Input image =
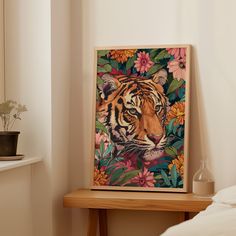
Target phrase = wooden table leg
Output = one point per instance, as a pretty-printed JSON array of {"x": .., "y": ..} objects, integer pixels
[
  {"x": 183, "y": 216},
  {"x": 103, "y": 222},
  {"x": 93, "y": 222}
]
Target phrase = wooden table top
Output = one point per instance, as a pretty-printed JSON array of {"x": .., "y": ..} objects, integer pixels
[{"x": 153, "y": 201}]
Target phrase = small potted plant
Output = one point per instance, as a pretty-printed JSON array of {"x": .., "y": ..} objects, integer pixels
[{"x": 10, "y": 111}]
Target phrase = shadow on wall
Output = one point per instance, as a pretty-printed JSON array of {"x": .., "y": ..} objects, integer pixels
[{"x": 199, "y": 138}]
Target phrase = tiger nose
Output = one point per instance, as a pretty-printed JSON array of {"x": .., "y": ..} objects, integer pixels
[{"x": 154, "y": 138}]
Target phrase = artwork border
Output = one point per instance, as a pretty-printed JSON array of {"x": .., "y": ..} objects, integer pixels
[{"x": 186, "y": 127}]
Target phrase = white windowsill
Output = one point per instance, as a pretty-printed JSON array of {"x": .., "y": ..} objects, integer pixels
[{"x": 8, "y": 165}]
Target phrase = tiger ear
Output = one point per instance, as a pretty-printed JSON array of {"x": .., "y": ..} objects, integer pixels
[
  {"x": 109, "y": 85},
  {"x": 160, "y": 77}
]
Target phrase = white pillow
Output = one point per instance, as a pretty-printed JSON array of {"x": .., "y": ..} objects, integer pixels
[{"x": 226, "y": 196}]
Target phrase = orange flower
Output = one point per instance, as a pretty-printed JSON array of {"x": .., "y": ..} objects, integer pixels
[
  {"x": 179, "y": 163},
  {"x": 100, "y": 178},
  {"x": 122, "y": 55},
  {"x": 176, "y": 112}
]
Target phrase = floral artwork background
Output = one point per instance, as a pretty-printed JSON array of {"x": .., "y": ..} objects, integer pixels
[{"x": 167, "y": 171}]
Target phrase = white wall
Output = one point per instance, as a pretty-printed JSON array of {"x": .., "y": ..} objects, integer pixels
[
  {"x": 28, "y": 80},
  {"x": 210, "y": 27},
  {"x": 38, "y": 75},
  {"x": 1, "y": 52}
]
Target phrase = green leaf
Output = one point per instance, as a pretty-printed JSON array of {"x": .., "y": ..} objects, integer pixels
[
  {"x": 114, "y": 64},
  {"x": 101, "y": 70},
  {"x": 180, "y": 182},
  {"x": 174, "y": 85},
  {"x": 102, "y": 61},
  {"x": 97, "y": 153},
  {"x": 116, "y": 175},
  {"x": 101, "y": 127},
  {"x": 171, "y": 151},
  {"x": 154, "y": 69},
  {"x": 130, "y": 62},
  {"x": 162, "y": 55},
  {"x": 99, "y": 81},
  {"x": 174, "y": 175},
  {"x": 158, "y": 167},
  {"x": 102, "y": 146},
  {"x": 102, "y": 53},
  {"x": 153, "y": 53},
  {"x": 108, "y": 68},
  {"x": 108, "y": 150},
  {"x": 169, "y": 127},
  {"x": 165, "y": 178},
  {"x": 178, "y": 144},
  {"x": 129, "y": 175}
]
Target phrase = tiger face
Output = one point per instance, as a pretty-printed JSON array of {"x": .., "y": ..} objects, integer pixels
[{"x": 134, "y": 110}]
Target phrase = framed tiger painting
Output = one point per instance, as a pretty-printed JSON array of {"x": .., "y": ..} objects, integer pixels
[{"x": 141, "y": 122}]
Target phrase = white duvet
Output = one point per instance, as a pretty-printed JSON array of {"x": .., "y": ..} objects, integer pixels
[{"x": 219, "y": 219}]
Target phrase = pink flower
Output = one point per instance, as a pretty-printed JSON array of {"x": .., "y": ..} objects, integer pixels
[
  {"x": 143, "y": 62},
  {"x": 144, "y": 179},
  {"x": 177, "y": 67},
  {"x": 177, "y": 52},
  {"x": 99, "y": 137}
]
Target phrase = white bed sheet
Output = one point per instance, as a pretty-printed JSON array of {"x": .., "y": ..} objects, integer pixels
[{"x": 217, "y": 220}]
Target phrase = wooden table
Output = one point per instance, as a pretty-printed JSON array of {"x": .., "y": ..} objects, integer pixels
[{"x": 99, "y": 201}]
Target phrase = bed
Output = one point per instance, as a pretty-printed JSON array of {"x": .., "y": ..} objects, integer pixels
[{"x": 218, "y": 219}]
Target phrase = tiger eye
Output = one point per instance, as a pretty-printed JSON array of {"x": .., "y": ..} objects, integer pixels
[{"x": 133, "y": 111}]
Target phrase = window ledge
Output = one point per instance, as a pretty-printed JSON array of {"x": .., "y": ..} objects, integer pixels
[{"x": 8, "y": 165}]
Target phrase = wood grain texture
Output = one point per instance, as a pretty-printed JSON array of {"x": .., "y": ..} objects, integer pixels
[
  {"x": 152, "y": 201},
  {"x": 93, "y": 222}
]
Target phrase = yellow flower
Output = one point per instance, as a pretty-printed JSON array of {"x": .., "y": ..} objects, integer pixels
[
  {"x": 100, "y": 178},
  {"x": 179, "y": 163},
  {"x": 177, "y": 111},
  {"x": 122, "y": 55}
]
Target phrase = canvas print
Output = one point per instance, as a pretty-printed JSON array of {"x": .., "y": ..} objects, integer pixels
[{"x": 141, "y": 118}]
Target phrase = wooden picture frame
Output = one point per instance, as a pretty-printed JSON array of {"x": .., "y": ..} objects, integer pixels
[{"x": 141, "y": 118}]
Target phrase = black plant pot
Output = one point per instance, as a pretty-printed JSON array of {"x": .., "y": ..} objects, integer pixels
[{"x": 8, "y": 143}]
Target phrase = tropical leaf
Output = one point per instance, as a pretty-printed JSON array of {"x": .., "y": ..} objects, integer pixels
[
  {"x": 162, "y": 55},
  {"x": 165, "y": 178},
  {"x": 130, "y": 62},
  {"x": 102, "y": 53},
  {"x": 128, "y": 175},
  {"x": 114, "y": 64},
  {"x": 107, "y": 67},
  {"x": 180, "y": 131},
  {"x": 99, "y": 81},
  {"x": 97, "y": 153},
  {"x": 154, "y": 69},
  {"x": 116, "y": 175},
  {"x": 178, "y": 144},
  {"x": 169, "y": 127},
  {"x": 139, "y": 163},
  {"x": 158, "y": 177},
  {"x": 108, "y": 150},
  {"x": 180, "y": 183},
  {"x": 102, "y": 146},
  {"x": 175, "y": 127},
  {"x": 174, "y": 85},
  {"x": 153, "y": 53},
  {"x": 102, "y": 61},
  {"x": 171, "y": 151},
  {"x": 101, "y": 69},
  {"x": 101, "y": 127},
  {"x": 181, "y": 92},
  {"x": 174, "y": 176},
  {"x": 158, "y": 167}
]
